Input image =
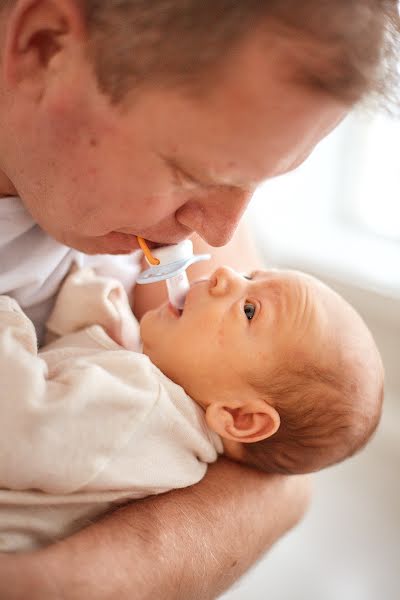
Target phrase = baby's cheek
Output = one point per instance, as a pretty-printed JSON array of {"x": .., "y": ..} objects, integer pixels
[
  {"x": 144, "y": 327},
  {"x": 153, "y": 329},
  {"x": 131, "y": 297}
]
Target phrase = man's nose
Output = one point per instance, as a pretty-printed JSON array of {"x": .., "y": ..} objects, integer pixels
[
  {"x": 221, "y": 281},
  {"x": 216, "y": 217}
]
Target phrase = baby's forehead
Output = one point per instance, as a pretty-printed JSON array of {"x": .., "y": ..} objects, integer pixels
[
  {"x": 272, "y": 274},
  {"x": 280, "y": 280}
]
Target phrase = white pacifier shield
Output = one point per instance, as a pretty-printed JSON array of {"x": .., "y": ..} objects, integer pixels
[{"x": 173, "y": 261}]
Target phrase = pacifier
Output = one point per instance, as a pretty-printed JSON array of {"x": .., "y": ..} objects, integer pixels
[{"x": 169, "y": 264}]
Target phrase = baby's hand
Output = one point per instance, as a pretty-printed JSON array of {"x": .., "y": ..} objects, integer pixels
[{"x": 86, "y": 299}]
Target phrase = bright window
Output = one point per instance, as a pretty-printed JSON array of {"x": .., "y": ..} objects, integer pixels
[
  {"x": 372, "y": 194},
  {"x": 339, "y": 213}
]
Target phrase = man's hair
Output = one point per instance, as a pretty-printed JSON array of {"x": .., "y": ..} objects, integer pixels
[
  {"x": 134, "y": 42},
  {"x": 179, "y": 42},
  {"x": 325, "y": 415}
]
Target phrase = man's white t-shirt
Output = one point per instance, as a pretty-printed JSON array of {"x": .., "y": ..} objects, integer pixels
[{"x": 33, "y": 264}]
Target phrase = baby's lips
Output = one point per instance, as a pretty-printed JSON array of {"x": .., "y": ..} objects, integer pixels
[{"x": 176, "y": 311}]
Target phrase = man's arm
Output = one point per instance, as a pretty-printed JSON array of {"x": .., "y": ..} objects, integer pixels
[
  {"x": 239, "y": 254},
  {"x": 189, "y": 544}
]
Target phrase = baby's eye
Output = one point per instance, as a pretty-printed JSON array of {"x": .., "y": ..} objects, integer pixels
[{"x": 249, "y": 310}]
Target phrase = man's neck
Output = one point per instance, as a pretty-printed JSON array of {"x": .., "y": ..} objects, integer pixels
[{"x": 6, "y": 186}]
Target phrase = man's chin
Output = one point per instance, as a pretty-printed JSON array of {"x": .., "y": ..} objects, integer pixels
[
  {"x": 111, "y": 243},
  {"x": 114, "y": 242}
]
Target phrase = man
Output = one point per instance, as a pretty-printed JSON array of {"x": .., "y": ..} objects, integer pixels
[{"x": 159, "y": 119}]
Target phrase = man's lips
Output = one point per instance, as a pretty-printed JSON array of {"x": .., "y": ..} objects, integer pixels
[
  {"x": 132, "y": 237},
  {"x": 155, "y": 245},
  {"x": 117, "y": 242}
]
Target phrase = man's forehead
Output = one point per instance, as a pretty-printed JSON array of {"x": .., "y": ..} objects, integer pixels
[{"x": 253, "y": 123}]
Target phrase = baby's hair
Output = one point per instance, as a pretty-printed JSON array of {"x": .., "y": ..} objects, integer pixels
[
  {"x": 179, "y": 42},
  {"x": 324, "y": 419}
]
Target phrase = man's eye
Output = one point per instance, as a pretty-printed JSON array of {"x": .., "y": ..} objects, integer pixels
[
  {"x": 249, "y": 310},
  {"x": 182, "y": 178},
  {"x": 246, "y": 276}
]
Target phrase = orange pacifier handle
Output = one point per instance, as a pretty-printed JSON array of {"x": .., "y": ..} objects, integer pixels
[{"x": 146, "y": 251}]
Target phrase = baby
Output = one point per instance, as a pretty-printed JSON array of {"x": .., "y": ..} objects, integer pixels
[
  {"x": 286, "y": 371},
  {"x": 274, "y": 370}
]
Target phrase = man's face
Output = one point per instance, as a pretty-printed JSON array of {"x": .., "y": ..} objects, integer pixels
[
  {"x": 164, "y": 164},
  {"x": 235, "y": 329}
]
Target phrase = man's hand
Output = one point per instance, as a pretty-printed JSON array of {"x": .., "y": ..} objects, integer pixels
[{"x": 189, "y": 544}]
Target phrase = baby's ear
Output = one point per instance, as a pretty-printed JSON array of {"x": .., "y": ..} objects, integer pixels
[{"x": 249, "y": 421}]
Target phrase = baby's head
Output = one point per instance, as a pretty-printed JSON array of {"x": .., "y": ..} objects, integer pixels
[{"x": 286, "y": 370}]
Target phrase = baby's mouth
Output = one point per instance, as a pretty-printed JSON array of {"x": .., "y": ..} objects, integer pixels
[
  {"x": 177, "y": 312},
  {"x": 180, "y": 310}
]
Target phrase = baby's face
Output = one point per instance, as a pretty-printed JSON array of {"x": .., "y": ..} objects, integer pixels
[{"x": 235, "y": 328}]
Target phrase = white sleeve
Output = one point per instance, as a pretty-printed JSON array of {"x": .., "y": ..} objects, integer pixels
[
  {"x": 60, "y": 428},
  {"x": 86, "y": 298}
]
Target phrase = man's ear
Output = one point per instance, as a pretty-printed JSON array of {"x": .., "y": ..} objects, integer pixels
[
  {"x": 249, "y": 421},
  {"x": 38, "y": 35}
]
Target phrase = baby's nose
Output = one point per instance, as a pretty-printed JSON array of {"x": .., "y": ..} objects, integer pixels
[{"x": 221, "y": 281}]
